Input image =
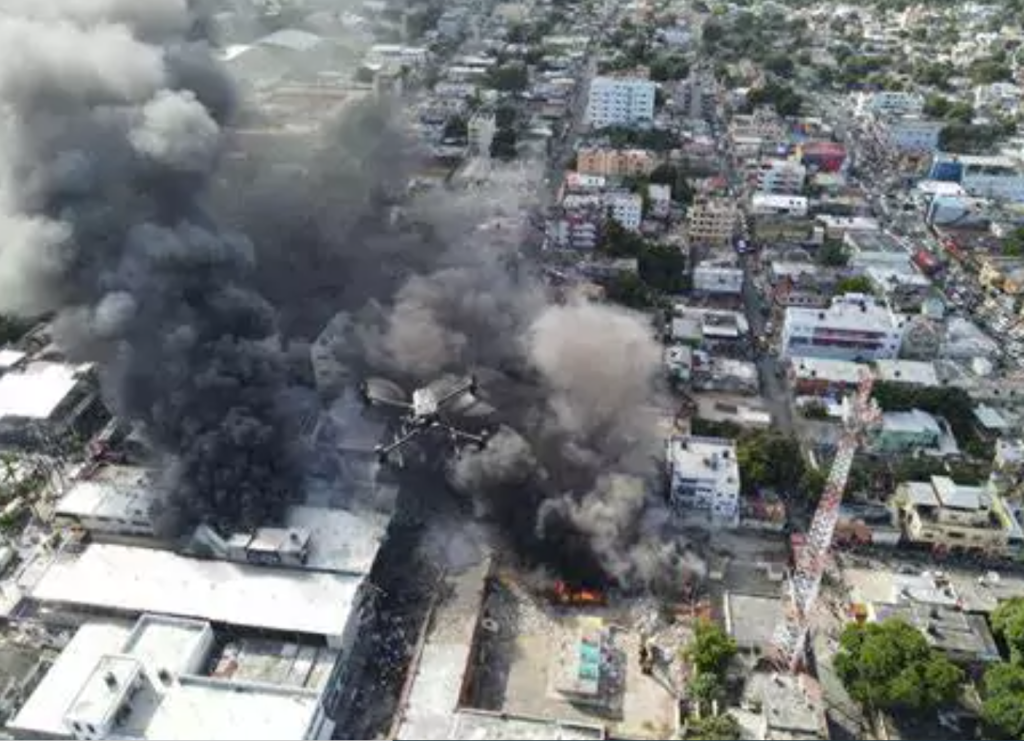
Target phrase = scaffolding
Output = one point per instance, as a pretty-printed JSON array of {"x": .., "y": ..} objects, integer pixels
[{"x": 810, "y": 560}]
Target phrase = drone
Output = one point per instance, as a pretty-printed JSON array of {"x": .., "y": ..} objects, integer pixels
[{"x": 430, "y": 410}]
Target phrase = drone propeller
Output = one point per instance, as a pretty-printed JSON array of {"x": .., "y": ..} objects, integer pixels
[{"x": 382, "y": 392}]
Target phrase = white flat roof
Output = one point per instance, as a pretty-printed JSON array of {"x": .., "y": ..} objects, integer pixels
[
  {"x": 827, "y": 369},
  {"x": 204, "y": 709},
  {"x": 188, "y": 707},
  {"x": 778, "y": 200},
  {"x": 339, "y": 540},
  {"x": 9, "y": 357},
  {"x": 44, "y": 710},
  {"x": 36, "y": 391},
  {"x": 918, "y": 372},
  {"x": 139, "y": 580},
  {"x": 121, "y": 492}
]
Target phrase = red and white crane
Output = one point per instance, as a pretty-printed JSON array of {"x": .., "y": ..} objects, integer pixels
[{"x": 790, "y": 636}]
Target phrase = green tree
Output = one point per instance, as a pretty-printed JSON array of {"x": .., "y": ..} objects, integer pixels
[
  {"x": 768, "y": 459},
  {"x": 889, "y": 665},
  {"x": 987, "y": 71},
  {"x": 1013, "y": 244},
  {"x": 711, "y": 649},
  {"x": 832, "y": 254},
  {"x": 936, "y": 106},
  {"x": 509, "y": 77},
  {"x": 1008, "y": 624},
  {"x": 503, "y": 145},
  {"x": 713, "y": 728},
  {"x": 855, "y": 284},
  {"x": 1002, "y": 707},
  {"x": 706, "y": 687},
  {"x": 663, "y": 267},
  {"x": 628, "y": 290}
]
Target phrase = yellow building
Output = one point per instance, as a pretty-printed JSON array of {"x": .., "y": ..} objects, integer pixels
[
  {"x": 615, "y": 162},
  {"x": 712, "y": 221},
  {"x": 1004, "y": 274},
  {"x": 953, "y": 517}
]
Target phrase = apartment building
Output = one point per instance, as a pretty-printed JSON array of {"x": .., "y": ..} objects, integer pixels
[
  {"x": 626, "y": 208},
  {"x": 615, "y": 162},
  {"x": 772, "y": 204},
  {"x": 953, "y": 517},
  {"x": 981, "y": 176},
  {"x": 712, "y": 221},
  {"x": 620, "y": 101},
  {"x": 890, "y": 102},
  {"x": 781, "y": 177},
  {"x": 908, "y": 134},
  {"x": 704, "y": 476},
  {"x": 853, "y": 327},
  {"x": 718, "y": 276}
]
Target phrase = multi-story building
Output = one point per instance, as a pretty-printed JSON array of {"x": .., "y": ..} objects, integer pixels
[
  {"x": 998, "y": 97},
  {"x": 712, "y": 221},
  {"x": 718, "y": 276},
  {"x": 46, "y": 405},
  {"x": 619, "y": 101},
  {"x": 772, "y": 204},
  {"x": 853, "y": 327},
  {"x": 172, "y": 677},
  {"x": 704, "y": 475},
  {"x": 953, "y": 517},
  {"x": 908, "y": 134},
  {"x": 823, "y": 156},
  {"x": 615, "y": 162},
  {"x": 890, "y": 102},
  {"x": 981, "y": 176},
  {"x": 781, "y": 177},
  {"x": 626, "y": 208}
]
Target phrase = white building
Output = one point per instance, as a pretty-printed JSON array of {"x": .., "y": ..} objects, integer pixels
[
  {"x": 781, "y": 176},
  {"x": 854, "y": 327},
  {"x": 660, "y": 198},
  {"x": 705, "y": 476},
  {"x": 911, "y": 134},
  {"x": 620, "y": 101},
  {"x": 770, "y": 204},
  {"x": 44, "y": 402},
  {"x": 982, "y": 176},
  {"x": 718, "y": 276},
  {"x": 626, "y": 208},
  {"x": 170, "y": 678},
  {"x": 1002, "y": 97},
  {"x": 890, "y": 102},
  {"x": 116, "y": 500}
]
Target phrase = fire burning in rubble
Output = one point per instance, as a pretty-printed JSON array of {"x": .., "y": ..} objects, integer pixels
[{"x": 566, "y": 595}]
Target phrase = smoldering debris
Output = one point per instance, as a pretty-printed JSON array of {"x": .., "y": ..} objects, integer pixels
[{"x": 111, "y": 127}]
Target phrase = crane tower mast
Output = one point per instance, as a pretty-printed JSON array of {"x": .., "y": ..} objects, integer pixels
[{"x": 790, "y": 635}]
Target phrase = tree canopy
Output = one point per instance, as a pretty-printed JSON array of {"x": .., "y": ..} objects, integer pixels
[
  {"x": 1008, "y": 624},
  {"x": 1002, "y": 707},
  {"x": 711, "y": 649},
  {"x": 889, "y": 665},
  {"x": 768, "y": 459},
  {"x": 713, "y": 728},
  {"x": 855, "y": 284}
]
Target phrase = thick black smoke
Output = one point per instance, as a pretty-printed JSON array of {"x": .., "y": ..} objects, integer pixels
[{"x": 110, "y": 129}]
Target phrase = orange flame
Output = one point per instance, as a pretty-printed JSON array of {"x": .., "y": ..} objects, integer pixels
[{"x": 568, "y": 596}]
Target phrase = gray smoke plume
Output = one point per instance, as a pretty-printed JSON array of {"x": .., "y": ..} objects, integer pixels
[
  {"x": 110, "y": 117},
  {"x": 575, "y": 473}
]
